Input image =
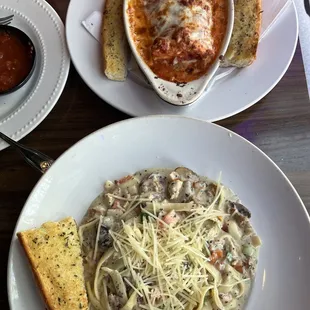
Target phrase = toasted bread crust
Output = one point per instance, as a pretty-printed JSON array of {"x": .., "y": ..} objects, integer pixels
[
  {"x": 54, "y": 253},
  {"x": 114, "y": 43},
  {"x": 245, "y": 37}
]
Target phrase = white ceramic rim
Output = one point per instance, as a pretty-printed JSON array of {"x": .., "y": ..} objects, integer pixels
[
  {"x": 25, "y": 118},
  {"x": 151, "y": 117},
  {"x": 136, "y": 101}
]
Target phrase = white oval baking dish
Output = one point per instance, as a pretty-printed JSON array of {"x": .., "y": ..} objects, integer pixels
[{"x": 176, "y": 93}]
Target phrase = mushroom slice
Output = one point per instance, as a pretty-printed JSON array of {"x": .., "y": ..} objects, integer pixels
[
  {"x": 153, "y": 186},
  {"x": 174, "y": 189},
  {"x": 240, "y": 208},
  {"x": 187, "y": 174}
]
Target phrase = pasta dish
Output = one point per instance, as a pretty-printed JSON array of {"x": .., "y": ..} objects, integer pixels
[
  {"x": 178, "y": 39},
  {"x": 168, "y": 239}
]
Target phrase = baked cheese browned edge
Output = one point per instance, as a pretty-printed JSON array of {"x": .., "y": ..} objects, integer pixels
[
  {"x": 242, "y": 48},
  {"x": 114, "y": 42},
  {"x": 54, "y": 253}
]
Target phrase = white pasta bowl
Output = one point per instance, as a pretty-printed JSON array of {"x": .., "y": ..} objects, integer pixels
[
  {"x": 179, "y": 94},
  {"x": 77, "y": 177}
]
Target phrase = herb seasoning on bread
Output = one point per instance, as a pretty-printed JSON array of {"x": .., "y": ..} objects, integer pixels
[{"x": 54, "y": 253}]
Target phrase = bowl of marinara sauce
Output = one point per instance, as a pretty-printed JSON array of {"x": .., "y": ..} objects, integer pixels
[{"x": 17, "y": 59}]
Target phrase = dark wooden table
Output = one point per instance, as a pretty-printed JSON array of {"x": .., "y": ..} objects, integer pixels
[{"x": 279, "y": 124}]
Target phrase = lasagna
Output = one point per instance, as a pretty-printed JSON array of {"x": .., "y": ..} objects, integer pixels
[{"x": 178, "y": 39}]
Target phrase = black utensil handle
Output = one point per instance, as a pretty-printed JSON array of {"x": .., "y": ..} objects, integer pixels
[
  {"x": 307, "y": 6},
  {"x": 35, "y": 159}
]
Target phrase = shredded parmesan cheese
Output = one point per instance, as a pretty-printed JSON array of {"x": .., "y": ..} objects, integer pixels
[
  {"x": 168, "y": 260},
  {"x": 168, "y": 245}
]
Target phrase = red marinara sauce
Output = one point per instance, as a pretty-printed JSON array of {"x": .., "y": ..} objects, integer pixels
[
  {"x": 178, "y": 39},
  {"x": 16, "y": 58}
]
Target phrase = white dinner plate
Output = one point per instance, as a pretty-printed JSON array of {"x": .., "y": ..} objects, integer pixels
[
  {"x": 278, "y": 214},
  {"x": 227, "y": 97},
  {"x": 25, "y": 109}
]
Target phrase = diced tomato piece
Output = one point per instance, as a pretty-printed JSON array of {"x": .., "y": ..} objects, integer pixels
[
  {"x": 171, "y": 218},
  {"x": 116, "y": 204},
  {"x": 125, "y": 179},
  {"x": 215, "y": 256},
  {"x": 239, "y": 267},
  {"x": 225, "y": 227}
]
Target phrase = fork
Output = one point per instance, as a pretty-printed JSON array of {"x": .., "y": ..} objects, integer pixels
[
  {"x": 35, "y": 159},
  {"x": 6, "y": 20}
]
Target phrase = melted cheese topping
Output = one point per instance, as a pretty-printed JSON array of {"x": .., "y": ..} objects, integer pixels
[
  {"x": 164, "y": 17},
  {"x": 178, "y": 39}
]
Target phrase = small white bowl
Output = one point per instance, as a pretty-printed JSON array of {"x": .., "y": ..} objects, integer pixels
[{"x": 176, "y": 93}]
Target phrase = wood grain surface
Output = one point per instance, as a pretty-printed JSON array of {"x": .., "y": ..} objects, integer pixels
[{"x": 279, "y": 124}]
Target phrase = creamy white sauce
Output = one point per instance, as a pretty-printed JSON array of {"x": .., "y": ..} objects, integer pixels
[{"x": 238, "y": 239}]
